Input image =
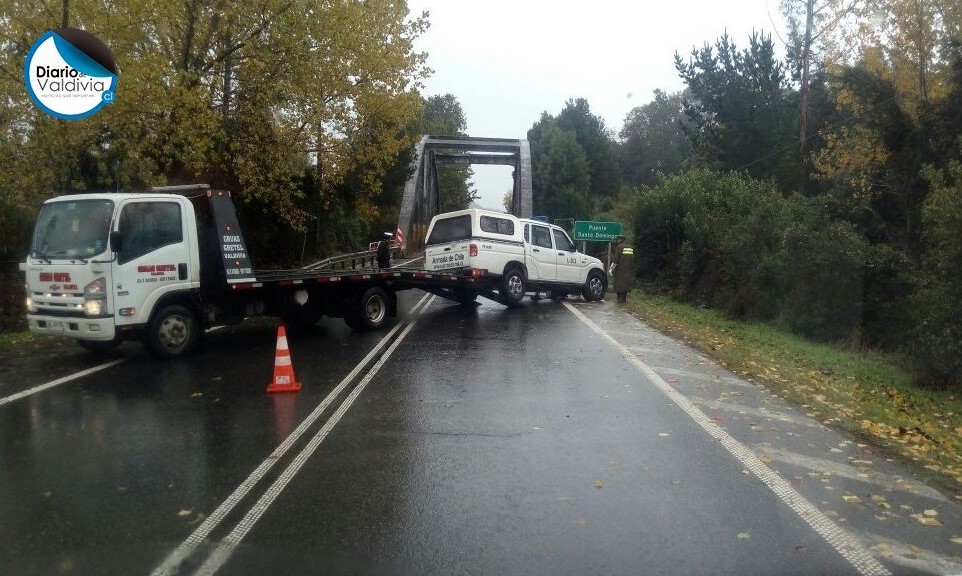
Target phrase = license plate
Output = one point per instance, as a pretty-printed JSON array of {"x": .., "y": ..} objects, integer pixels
[{"x": 55, "y": 325}]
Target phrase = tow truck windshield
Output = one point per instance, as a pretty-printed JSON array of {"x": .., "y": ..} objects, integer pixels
[{"x": 77, "y": 229}]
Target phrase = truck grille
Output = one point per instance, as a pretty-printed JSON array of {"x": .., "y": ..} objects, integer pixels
[{"x": 63, "y": 305}]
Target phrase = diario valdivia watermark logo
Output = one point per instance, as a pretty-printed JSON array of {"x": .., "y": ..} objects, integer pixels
[{"x": 70, "y": 73}]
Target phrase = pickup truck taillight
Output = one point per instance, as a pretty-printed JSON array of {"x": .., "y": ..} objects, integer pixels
[{"x": 473, "y": 250}]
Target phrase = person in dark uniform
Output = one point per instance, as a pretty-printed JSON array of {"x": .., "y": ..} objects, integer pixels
[
  {"x": 384, "y": 251},
  {"x": 623, "y": 268}
]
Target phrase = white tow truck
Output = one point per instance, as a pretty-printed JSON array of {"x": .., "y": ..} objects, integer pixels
[{"x": 162, "y": 266}]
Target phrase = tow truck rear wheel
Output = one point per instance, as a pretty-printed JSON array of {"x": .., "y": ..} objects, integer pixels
[
  {"x": 371, "y": 311},
  {"x": 173, "y": 332}
]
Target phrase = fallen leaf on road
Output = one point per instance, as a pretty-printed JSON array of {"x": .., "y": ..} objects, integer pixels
[
  {"x": 956, "y": 540},
  {"x": 743, "y": 536},
  {"x": 599, "y": 484},
  {"x": 930, "y": 513},
  {"x": 929, "y": 521},
  {"x": 196, "y": 394},
  {"x": 579, "y": 521},
  {"x": 852, "y": 499},
  {"x": 536, "y": 427},
  {"x": 185, "y": 512},
  {"x": 664, "y": 434}
]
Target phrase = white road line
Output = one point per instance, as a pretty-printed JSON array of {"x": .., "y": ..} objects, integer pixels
[
  {"x": 222, "y": 553},
  {"x": 60, "y": 381},
  {"x": 173, "y": 561},
  {"x": 844, "y": 544}
]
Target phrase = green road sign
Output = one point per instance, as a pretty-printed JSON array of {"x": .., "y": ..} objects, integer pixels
[{"x": 597, "y": 231}]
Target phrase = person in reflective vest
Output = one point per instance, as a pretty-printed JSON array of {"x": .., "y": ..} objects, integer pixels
[{"x": 623, "y": 268}]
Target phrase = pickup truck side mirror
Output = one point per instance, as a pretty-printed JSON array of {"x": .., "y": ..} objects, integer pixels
[{"x": 116, "y": 242}]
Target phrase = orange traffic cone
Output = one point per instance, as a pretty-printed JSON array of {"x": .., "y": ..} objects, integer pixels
[{"x": 283, "y": 369}]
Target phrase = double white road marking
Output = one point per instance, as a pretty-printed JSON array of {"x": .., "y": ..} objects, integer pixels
[{"x": 223, "y": 550}]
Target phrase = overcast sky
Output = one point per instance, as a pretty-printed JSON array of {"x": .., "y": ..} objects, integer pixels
[{"x": 509, "y": 61}]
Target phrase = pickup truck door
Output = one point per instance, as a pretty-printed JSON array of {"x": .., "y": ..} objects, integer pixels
[
  {"x": 542, "y": 261},
  {"x": 155, "y": 257},
  {"x": 571, "y": 265}
]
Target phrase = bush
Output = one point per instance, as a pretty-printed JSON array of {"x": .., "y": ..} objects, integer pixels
[
  {"x": 890, "y": 282},
  {"x": 15, "y": 226},
  {"x": 713, "y": 239},
  {"x": 824, "y": 275},
  {"x": 937, "y": 347}
]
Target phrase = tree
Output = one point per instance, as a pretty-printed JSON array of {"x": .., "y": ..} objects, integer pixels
[
  {"x": 598, "y": 145},
  {"x": 872, "y": 151},
  {"x": 904, "y": 41},
  {"x": 654, "y": 140},
  {"x": 443, "y": 116},
  {"x": 264, "y": 98},
  {"x": 740, "y": 116},
  {"x": 820, "y": 18},
  {"x": 560, "y": 172}
]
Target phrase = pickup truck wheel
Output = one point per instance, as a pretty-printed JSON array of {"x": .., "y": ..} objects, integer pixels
[
  {"x": 595, "y": 287},
  {"x": 173, "y": 332},
  {"x": 371, "y": 310},
  {"x": 512, "y": 286}
]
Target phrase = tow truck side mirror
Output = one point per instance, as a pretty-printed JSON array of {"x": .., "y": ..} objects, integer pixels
[{"x": 116, "y": 243}]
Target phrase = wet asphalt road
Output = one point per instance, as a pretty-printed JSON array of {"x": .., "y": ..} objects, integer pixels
[{"x": 490, "y": 441}]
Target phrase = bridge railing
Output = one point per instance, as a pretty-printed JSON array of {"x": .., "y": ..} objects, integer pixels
[{"x": 352, "y": 261}]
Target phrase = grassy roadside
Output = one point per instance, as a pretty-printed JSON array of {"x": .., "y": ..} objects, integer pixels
[
  {"x": 869, "y": 395},
  {"x": 11, "y": 342}
]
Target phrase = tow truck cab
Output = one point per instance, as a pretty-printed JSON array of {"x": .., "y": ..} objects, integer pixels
[{"x": 105, "y": 267}]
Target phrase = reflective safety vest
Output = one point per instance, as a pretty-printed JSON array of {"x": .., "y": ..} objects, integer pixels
[{"x": 627, "y": 250}]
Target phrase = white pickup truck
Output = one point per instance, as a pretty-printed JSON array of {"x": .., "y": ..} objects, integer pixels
[{"x": 511, "y": 257}]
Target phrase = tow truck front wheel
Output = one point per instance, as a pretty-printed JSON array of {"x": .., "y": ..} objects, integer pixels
[{"x": 173, "y": 332}]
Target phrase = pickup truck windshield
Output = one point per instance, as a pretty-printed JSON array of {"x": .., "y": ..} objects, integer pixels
[{"x": 74, "y": 229}]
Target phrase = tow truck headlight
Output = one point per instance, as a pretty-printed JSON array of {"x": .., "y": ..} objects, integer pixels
[{"x": 95, "y": 294}]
